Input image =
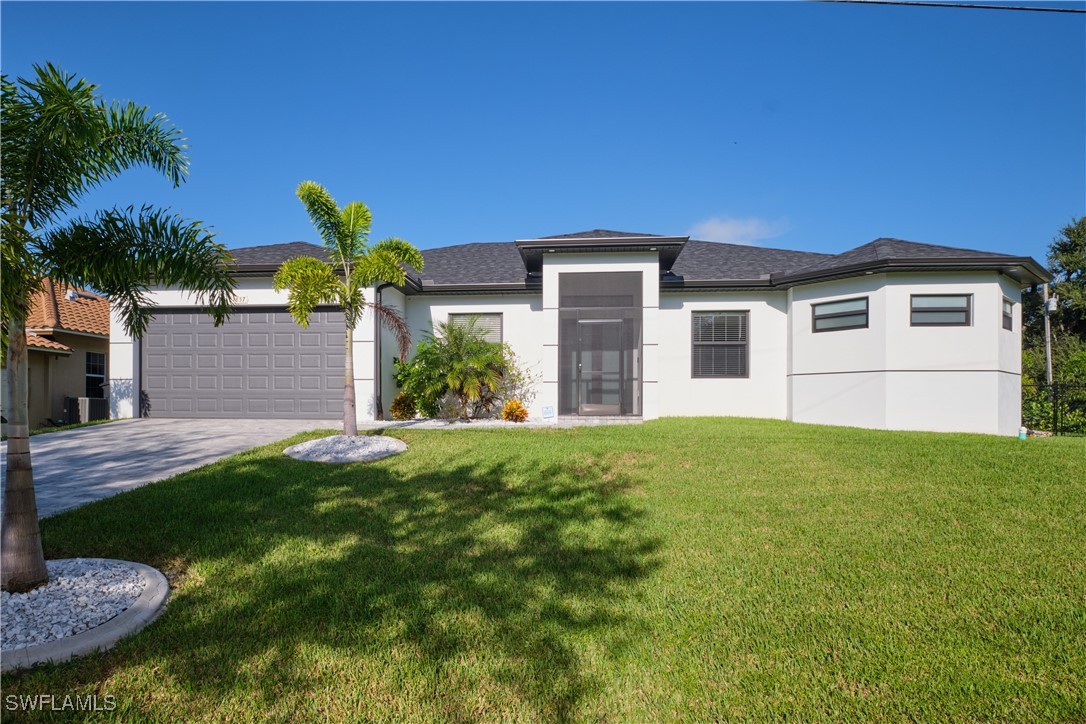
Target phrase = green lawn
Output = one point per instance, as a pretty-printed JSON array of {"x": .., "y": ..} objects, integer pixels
[{"x": 681, "y": 569}]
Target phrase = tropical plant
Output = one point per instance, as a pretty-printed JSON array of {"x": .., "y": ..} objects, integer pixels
[
  {"x": 59, "y": 140},
  {"x": 514, "y": 412},
  {"x": 403, "y": 407},
  {"x": 456, "y": 371},
  {"x": 355, "y": 265}
]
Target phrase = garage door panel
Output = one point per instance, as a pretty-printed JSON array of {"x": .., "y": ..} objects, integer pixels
[{"x": 258, "y": 364}]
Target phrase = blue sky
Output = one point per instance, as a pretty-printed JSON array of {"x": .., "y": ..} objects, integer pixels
[{"x": 807, "y": 126}]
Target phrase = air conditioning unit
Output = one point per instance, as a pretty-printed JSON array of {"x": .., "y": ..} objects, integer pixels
[{"x": 85, "y": 409}]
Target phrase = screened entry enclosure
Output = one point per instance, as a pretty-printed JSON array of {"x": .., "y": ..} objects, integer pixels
[{"x": 599, "y": 343}]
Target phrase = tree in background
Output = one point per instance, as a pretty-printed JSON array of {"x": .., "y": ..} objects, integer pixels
[
  {"x": 59, "y": 140},
  {"x": 355, "y": 265},
  {"x": 1067, "y": 262}
]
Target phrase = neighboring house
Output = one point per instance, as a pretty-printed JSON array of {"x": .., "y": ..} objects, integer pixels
[
  {"x": 67, "y": 336},
  {"x": 892, "y": 334}
]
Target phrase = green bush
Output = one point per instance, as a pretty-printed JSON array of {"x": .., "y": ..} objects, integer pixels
[
  {"x": 456, "y": 373},
  {"x": 403, "y": 407}
]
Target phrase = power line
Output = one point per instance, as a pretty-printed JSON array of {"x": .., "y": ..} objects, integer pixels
[{"x": 971, "y": 6}]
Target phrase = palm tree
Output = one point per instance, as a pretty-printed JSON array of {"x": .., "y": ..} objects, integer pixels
[
  {"x": 355, "y": 265},
  {"x": 475, "y": 366},
  {"x": 59, "y": 140}
]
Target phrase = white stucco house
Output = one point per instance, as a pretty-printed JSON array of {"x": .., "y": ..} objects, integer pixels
[{"x": 892, "y": 334}]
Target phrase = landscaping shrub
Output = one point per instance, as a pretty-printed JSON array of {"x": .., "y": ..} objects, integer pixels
[
  {"x": 514, "y": 412},
  {"x": 457, "y": 373},
  {"x": 403, "y": 407}
]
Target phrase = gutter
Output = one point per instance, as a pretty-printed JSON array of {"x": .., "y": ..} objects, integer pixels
[
  {"x": 1002, "y": 265},
  {"x": 378, "y": 403}
]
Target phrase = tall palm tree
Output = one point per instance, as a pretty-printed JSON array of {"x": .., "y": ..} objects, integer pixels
[
  {"x": 355, "y": 265},
  {"x": 59, "y": 140}
]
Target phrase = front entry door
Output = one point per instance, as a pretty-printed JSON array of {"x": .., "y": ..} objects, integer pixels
[{"x": 600, "y": 370}]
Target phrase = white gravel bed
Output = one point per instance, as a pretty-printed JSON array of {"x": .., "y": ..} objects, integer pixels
[
  {"x": 343, "y": 449},
  {"x": 80, "y": 595}
]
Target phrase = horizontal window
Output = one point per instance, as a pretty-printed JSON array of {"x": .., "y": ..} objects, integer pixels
[
  {"x": 1008, "y": 314},
  {"x": 941, "y": 310},
  {"x": 488, "y": 326},
  {"x": 835, "y": 316},
  {"x": 719, "y": 344}
]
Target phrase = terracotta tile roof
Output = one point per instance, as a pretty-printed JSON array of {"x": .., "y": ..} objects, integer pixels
[
  {"x": 33, "y": 341},
  {"x": 52, "y": 309}
]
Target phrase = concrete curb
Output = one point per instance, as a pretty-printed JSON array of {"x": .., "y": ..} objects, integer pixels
[{"x": 156, "y": 590}]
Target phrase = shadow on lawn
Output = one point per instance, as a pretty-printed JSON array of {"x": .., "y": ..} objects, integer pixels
[{"x": 475, "y": 590}]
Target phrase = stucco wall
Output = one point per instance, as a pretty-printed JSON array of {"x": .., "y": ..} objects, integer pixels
[
  {"x": 52, "y": 377},
  {"x": 762, "y": 394},
  {"x": 896, "y": 376},
  {"x": 522, "y": 328}
]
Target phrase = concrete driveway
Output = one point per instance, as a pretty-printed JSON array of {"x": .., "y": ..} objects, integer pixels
[{"x": 73, "y": 467}]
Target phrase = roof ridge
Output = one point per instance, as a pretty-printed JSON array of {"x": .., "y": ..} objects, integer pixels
[{"x": 52, "y": 313}]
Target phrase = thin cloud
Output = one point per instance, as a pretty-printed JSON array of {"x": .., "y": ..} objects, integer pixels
[{"x": 747, "y": 232}]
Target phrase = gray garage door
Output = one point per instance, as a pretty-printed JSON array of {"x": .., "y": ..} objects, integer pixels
[{"x": 259, "y": 364}]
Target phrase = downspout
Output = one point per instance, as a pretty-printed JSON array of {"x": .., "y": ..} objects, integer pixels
[{"x": 378, "y": 405}]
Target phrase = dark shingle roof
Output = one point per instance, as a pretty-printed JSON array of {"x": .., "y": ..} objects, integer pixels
[
  {"x": 478, "y": 263},
  {"x": 894, "y": 250},
  {"x": 499, "y": 263},
  {"x": 710, "y": 260},
  {"x": 275, "y": 254},
  {"x": 599, "y": 234}
]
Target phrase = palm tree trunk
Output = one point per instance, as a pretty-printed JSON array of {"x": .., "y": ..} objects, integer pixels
[
  {"x": 22, "y": 562},
  {"x": 350, "y": 417}
]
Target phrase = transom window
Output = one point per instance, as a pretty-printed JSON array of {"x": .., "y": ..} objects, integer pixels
[
  {"x": 719, "y": 344},
  {"x": 837, "y": 316},
  {"x": 941, "y": 310},
  {"x": 489, "y": 326},
  {"x": 96, "y": 374},
  {"x": 1008, "y": 314}
]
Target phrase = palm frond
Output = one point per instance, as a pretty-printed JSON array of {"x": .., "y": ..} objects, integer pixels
[
  {"x": 377, "y": 267},
  {"x": 135, "y": 137},
  {"x": 356, "y": 219},
  {"x": 391, "y": 319},
  {"x": 403, "y": 251},
  {"x": 324, "y": 214},
  {"x": 309, "y": 283},
  {"x": 60, "y": 140},
  {"x": 121, "y": 252}
]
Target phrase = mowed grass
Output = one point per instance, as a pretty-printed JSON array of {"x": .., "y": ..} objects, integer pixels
[{"x": 680, "y": 569}]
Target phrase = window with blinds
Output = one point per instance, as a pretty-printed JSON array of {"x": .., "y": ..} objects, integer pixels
[
  {"x": 1008, "y": 315},
  {"x": 719, "y": 344},
  {"x": 489, "y": 326},
  {"x": 836, "y": 316}
]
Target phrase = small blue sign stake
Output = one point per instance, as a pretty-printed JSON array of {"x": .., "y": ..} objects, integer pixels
[{"x": 548, "y": 412}]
